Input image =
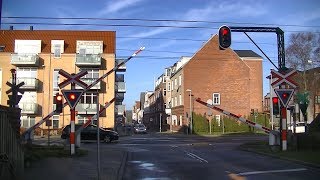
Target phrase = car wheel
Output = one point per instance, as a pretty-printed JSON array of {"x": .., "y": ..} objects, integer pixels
[{"x": 107, "y": 139}]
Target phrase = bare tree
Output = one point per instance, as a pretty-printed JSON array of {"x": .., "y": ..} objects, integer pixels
[{"x": 303, "y": 54}]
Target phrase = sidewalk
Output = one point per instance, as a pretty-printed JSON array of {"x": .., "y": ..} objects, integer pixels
[{"x": 112, "y": 163}]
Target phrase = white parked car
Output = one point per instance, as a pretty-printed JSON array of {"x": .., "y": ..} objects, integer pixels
[{"x": 300, "y": 128}]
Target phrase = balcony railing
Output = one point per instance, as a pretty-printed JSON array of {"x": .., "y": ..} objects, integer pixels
[
  {"x": 25, "y": 59},
  {"x": 89, "y": 81},
  {"x": 28, "y": 108},
  {"x": 86, "y": 108},
  {"x": 88, "y": 59},
  {"x": 119, "y": 77},
  {"x": 120, "y": 87},
  {"x": 119, "y": 109},
  {"x": 121, "y": 68},
  {"x": 119, "y": 97},
  {"x": 29, "y": 83}
]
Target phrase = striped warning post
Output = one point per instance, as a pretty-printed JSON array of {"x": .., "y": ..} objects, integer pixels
[
  {"x": 284, "y": 128},
  {"x": 250, "y": 123},
  {"x": 72, "y": 135}
]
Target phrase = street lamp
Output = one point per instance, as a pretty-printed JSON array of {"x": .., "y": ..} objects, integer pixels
[{"x": 190, "y": 95}]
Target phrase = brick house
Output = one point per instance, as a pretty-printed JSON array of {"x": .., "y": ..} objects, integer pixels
[{"x": 231, "y": 78}]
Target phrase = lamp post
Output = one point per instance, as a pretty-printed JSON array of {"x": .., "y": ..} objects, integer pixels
[{"x": 190, "y": 123}]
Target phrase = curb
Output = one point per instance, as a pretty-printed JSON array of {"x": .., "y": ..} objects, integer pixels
[
  {"x": 122, "y": 166},
  {"x": 283, "y": 158}
]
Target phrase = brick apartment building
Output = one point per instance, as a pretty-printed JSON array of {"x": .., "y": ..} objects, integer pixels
[
  {"x": 231, "y": 78},
  {"x": 38, "y": 55}
]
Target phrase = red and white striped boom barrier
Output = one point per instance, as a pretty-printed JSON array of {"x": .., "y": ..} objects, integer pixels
[
  {"x": 85, "y": 89},
  {"x": 248, "y": 122},
  {"x": 107, "y": 104}
]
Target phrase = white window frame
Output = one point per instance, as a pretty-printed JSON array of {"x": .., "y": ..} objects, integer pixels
[
  {"x": 55, "y": 118},
  {"x": 176, "y": 101},
  {"x": 88, "y": 98},
  {"x": 172, "y": 85},
  {"x": 169, "y": 86},
  {"x": 218, "y": 119},
  {"x": 216, "y": 99},
  {"x": 29, "y": 120},
  {"x": 175, "y": 83},
  {"x": 172, "y": 102},
  {"x": 180, "y": 119},
  {"x": 180, "y": 99},
  {"x": 56, "y": 79},
  {"x": 180, "y": 80}
]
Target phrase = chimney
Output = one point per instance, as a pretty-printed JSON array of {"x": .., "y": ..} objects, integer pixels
[
  {"x": 31, "y": 28},
  {"x": 11, "y": 27}
]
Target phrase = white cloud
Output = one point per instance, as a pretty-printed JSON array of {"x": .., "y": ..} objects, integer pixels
[{"x": 116, "y": 6}]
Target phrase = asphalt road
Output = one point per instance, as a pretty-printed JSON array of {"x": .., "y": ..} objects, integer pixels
[{"x": 155, "y": 156}]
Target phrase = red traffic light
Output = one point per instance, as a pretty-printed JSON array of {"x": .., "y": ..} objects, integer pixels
[
  {"x": 59, "y": 97},
  {"x": 224, "y": 37},
  {"x": 285, "y": 95},
  {"x": 275, "y": 100},
  {"x": 72, "y": 96}
]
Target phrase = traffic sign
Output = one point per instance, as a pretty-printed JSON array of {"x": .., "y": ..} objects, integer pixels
[
  {"x": 72, "y": 79},
  {"x": 72, "y": 97},
  {"x": 15, "y": 87},
  {"x": 283, "y": 78},
  {"x": 284, "y": 95}
]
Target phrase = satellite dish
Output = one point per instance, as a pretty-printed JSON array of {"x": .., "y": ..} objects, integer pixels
[{"x": 209, "y": 101}]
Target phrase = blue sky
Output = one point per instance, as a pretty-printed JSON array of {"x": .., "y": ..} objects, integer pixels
[{"x": 290, "y": 15}]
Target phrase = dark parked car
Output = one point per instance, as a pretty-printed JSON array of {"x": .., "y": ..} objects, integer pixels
[{"x": 90, "y": 133}]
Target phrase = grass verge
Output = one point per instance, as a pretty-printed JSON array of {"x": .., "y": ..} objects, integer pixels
[
  {"x": 305, "y": 156},
  {"x": 36, "y": 152}
]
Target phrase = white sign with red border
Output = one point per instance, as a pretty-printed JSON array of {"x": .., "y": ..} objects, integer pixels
[{"x": 283, "y": 78}]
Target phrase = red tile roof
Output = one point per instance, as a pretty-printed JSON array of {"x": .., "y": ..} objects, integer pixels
[{"x": 8, "y": 37}]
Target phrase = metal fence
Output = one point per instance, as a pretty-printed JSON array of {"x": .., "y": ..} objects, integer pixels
[{"x": 11, "y": 150}]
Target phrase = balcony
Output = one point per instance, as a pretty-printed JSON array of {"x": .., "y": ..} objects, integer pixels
[
  {"x": 119, "y": 77},
  {"x": 88, "y": 59},
  {"x": 89, "y": 81},
  {"x": 119, "y": 97},
  {"x": 119, "y": 109},
  {"x": 28, "y": 108},
  {"x": 29, "y": 83},
  {"x": 121, "y": 68},
  {"x": 25, "y": 59},
  {"x": 120, "y": 87},
  {"x": 86, "y": 108}
]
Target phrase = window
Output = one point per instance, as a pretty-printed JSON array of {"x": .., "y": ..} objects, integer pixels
[
  {"x": 89, "y": 47},
  {"x": 180, "y": 80},
  {"x": 55, "y": 121},
  {"x": 27, "y": 121},
  {"x": 217, "y": 117},
  {"x": 57, "y": 51},
  {"x": 172, "y": 102},
  {"x": 56, "y": 79},
  {"x": 175, "y": 101},
  {"x": 180, "y": 100},
  {"x": 216, "y": 99},
  {"x": 180, "y": 121},
  {"x": 93, "y": 74},
  {"x": 317, "y": 100},
  {"x": 164, "y": 92},
  {"x": 88, "y": 98},
  {"x": 175, "y": 83},
  {"x": 57, "y": 47},
  {"x": 172, "y": 85}
]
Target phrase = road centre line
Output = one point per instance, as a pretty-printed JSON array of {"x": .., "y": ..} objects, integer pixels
[
  {"x": 196, "y": 157},
  {"x": 272, "y": 171}
]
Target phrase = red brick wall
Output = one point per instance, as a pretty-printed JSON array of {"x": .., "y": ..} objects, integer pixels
[{"x": 212, "y": 70}]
